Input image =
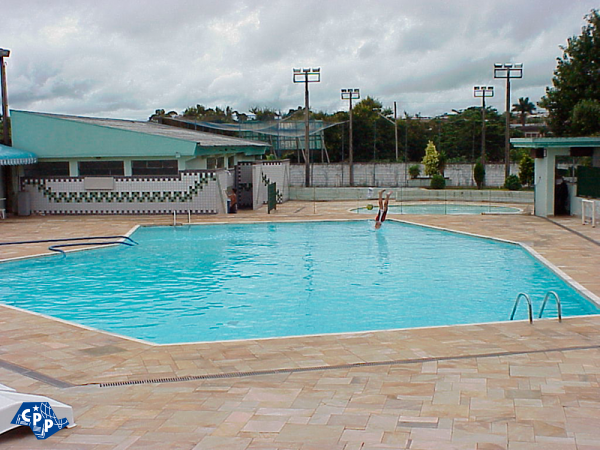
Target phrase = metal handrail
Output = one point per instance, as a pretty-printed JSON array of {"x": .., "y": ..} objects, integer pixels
[
  {"x": 528, "y": 306},
  {"x": 58, "y": 248},
  {"x": 558, "y": 307},
  {"x": 43, "y": 241}
]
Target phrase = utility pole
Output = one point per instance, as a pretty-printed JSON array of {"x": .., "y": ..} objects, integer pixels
[
  {"x": 5, "y": 120},
  {"x": 508, "y": 71},
  {"x": 406, "y": 149},
  {"x": 483, "y": 92},
  {"x": 393, "y": 122},
  {"x": 396, "y": 129},
  {"x": 307, "y": 76},
  {"x": 350, "y": 94}
]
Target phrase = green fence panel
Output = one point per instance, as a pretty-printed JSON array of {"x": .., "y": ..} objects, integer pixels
[
  {"x": 588, "y": 182},
  {"x": 272, "y": 197}
]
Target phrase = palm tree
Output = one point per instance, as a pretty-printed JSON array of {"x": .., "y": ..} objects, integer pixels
[
  {"x": 159, "y": 113},
  {"x": 524, "y": 107}
]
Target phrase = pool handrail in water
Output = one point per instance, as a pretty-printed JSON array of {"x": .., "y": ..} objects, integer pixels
[{"x": 57, "y": 248}]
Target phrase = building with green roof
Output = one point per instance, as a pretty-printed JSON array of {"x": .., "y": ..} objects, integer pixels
[{"x": 111, "y": 166}]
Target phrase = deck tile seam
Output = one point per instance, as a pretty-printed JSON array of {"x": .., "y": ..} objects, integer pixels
[
  {"x": 291, "y": 370},
  {"x": 226, "y": 375}
]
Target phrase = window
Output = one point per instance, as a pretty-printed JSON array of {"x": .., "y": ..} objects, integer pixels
[
  {"x": 231, "y": 162},
  {"x": 47, "y": 169},
  {"x": 215, "y": 163},
  {"x": 155, "y": 167},
  {"x": 101, "y": 168}
]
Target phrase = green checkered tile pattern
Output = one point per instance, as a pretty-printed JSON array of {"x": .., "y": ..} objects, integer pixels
[
  {"x": 278, "y": 193},
  {"x": 119, "y": 197}
]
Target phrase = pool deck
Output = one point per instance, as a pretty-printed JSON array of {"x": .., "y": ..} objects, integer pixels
[{"x": 489, "y": 386}]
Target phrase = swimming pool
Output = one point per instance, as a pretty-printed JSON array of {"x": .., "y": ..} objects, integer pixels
[
  {"x": 223, "y": 282},
  {"x": 442, "y": 208}
]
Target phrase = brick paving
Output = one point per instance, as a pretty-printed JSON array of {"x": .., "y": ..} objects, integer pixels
[{"x": 487, "y": 386}]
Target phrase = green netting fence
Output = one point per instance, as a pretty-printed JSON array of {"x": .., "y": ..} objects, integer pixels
[{"x": 588, "y": 182}]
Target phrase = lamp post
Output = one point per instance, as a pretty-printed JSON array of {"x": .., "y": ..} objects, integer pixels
[
  {"x": 5, "y": 125},
  {"x": 307, "y": 76},
  {"x": 350, "y": 94},
  {"x": 507, "y": 71},
  {"x": 483, "y": 92},
  {"x": 393, "y": 122}
]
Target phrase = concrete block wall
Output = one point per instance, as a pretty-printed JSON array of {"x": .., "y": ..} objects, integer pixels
[{"x": 391, "y": 174}]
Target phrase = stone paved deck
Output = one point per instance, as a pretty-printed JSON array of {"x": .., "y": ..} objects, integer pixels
[{"x": 491, "y": 386}]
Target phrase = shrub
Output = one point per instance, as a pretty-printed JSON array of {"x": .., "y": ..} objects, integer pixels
[
  {"x": 479, "y": 174},
  {"x": 431, "y": 160},
  {"x": 512, "y": 183},
  {"x": 526, "y": 170},
  {"x": 438, "y": 181},
  {"x": 414, "y": 171}
]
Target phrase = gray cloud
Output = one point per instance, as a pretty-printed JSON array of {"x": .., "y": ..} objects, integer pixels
[{"x": 127, "y": 58}]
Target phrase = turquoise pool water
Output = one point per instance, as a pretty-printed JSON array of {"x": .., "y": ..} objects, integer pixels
[
  {"x": 223, "y": 282},
  {"x": 442, "y": 208}
]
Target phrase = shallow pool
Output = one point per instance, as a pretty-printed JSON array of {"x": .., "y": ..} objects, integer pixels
[
  {"x": 223, "y": 282},
  {"x": 441, "y": 208}
]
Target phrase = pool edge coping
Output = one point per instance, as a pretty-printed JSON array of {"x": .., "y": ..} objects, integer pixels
[
  {"x": 586, "y": 293},
  {"x": 582, "y": 290}
]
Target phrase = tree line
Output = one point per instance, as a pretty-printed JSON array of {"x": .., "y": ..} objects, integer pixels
[
  {"x": 572, "y": 102},
  {"x": 457, "y": 136}
]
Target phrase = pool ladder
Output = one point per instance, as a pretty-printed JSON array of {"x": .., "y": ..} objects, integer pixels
[{"x": 529, "y": 307}]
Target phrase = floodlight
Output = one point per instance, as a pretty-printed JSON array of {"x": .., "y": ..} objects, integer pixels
[
  {"x": 306, "y": 75},
  {"x": 507, "y": 71}
]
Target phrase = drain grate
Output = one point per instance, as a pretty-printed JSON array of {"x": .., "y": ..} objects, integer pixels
[
  {"x": 63, "y": 384},
  {"x": 35, "y": 375},
  {"x": 335, "y": 367}
]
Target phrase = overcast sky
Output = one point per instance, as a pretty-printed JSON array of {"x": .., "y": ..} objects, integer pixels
[{"x": 126, "y": 58}]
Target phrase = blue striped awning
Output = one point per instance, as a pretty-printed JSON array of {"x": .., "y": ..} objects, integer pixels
[{"x": 10, "y": 156}]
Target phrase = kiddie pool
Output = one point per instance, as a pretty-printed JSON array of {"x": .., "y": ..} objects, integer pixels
[{"x": 441, "y": 209}]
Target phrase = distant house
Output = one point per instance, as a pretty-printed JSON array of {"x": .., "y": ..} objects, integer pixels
[
  {"x": 530, "y": 130},
  {"x": 109, "y": 166}
]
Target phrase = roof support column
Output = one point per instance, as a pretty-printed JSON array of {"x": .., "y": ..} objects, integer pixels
[{"x": 545, "y": 181}]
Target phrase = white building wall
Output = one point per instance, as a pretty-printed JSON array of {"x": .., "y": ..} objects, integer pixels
[
  {"x": 545, "y": 181},
  {"x": 196, "y": 192}
]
